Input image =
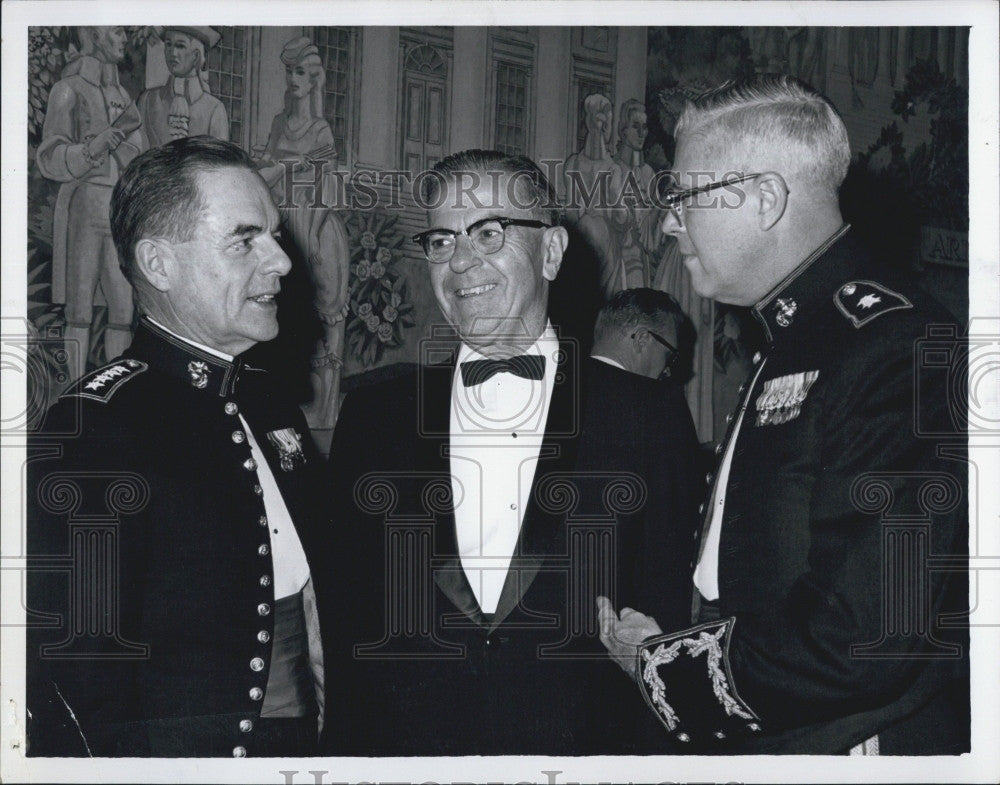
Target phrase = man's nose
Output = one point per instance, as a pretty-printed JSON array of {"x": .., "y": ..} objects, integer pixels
[
  {"x": 671, "y": 224},
  {"x": 276, "y": 261},
  {"x": 465, "y": 255}
]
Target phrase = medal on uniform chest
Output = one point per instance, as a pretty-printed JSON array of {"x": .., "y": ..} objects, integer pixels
[
  {"x": 781, "y": 399},
  {"x": 288, "y": 443}
]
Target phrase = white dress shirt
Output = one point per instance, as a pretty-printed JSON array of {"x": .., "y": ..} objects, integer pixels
[
  {"x": 706, "y": 574},
  {"x": 291, "y": 570},
  {"x": 496, "y": 434}
]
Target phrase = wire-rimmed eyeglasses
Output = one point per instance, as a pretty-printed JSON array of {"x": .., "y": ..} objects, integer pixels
[
  {"x": 674, "y": 200},
  {"x": 486, "y": 235}
]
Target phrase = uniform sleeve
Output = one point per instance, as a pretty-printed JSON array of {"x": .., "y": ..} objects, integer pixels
[
  {"x": 80, "y": 488},
  {"x": 840, "y": 641}
]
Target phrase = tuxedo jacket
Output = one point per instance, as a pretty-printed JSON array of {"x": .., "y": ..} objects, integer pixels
[
  {"x": 420, "y": 670},
  {"x": 151, "y": 593}
]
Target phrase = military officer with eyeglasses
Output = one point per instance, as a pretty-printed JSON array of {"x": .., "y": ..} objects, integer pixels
[
  {"x": 488, "y": 497},
  {"x": 829, "y": 589}
]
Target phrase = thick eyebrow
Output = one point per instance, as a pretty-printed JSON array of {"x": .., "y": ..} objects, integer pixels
[{"x": 242, "y": 230}]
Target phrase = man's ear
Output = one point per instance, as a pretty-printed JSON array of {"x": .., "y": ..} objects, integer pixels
[
  {"x": 773, "y": 199},
  {"x": 154, "y": 262},
  {"x": 554, "y": 243}
]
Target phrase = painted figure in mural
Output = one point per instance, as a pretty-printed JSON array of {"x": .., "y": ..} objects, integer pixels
[
  {"x": 92, "y": 130},
  {"x": 204, "y": 644},
  {"x": 593, "y": 181},
  {"x": 816, "y": 627},
  {"x": 300, "y": 134},
  {"x": 503, "y": 657},
  {"x": 184, "y": 106},
  {"x": 640, "y": 234}
]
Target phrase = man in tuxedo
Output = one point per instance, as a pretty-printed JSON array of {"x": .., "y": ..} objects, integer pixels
[
  {"x": 171, "y": 507},
  {"x": 829, "y": 591},
  {"x": 484, "y": 500}
]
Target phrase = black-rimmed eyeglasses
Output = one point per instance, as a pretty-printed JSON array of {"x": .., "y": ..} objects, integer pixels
[
  {"x": 673, "y": 353},
  {"x": 674, "y": 200},
  {"x": 487, "y": 236}
]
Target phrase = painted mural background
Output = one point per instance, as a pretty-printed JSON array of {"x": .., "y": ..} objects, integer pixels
[{"x": 571, "y": 96}]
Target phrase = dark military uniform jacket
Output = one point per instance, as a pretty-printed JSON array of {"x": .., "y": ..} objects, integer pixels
[
  {"x": 843, "y": 537},
  {"x": 151, "y": 590}
]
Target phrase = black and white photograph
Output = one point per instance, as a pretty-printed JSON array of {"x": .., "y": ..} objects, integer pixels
[{"x": 490, "y": 391}]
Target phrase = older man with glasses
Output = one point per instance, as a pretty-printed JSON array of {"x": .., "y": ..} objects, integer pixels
[
  {"x": 817, "y": 606},
  {"x": 515, "y": 494}
]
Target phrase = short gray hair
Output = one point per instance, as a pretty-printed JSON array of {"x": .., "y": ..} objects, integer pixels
[{"x": 762, "y": 109}]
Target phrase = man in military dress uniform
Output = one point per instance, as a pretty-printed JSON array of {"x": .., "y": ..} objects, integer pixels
[
  {"x": 817, "y": 616},
  {"x": 171, "y": 517}
]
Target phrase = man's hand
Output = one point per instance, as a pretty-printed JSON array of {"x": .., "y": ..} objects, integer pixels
[
  {"x": 106, "y": 140},
  {"x": 621, "y": 635}
]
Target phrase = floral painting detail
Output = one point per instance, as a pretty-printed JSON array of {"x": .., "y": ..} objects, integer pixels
[{"x": 379, "y": 312}]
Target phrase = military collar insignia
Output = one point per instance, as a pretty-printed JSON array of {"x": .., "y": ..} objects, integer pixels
[
  {"x": 176, "y": 357},
  {"x": 785, "y": 311},
  {"x": 779, "y": 306},
  {"x": 781, "y": 399},
  {"x": 288, "y": 443},
  {"x": 198, "y": 373},
  {"x": 101, "y": 384},
  {"x": 863, "y": 301}
]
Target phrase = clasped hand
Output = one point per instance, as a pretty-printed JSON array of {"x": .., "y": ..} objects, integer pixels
[{"x": 622, "y": 633}]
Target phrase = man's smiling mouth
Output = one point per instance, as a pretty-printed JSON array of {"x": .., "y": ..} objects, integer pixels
[{"x": 473, "y": 291}]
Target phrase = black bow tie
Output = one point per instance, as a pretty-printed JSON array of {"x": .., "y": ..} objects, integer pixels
[{"x": 527, "y": 366}]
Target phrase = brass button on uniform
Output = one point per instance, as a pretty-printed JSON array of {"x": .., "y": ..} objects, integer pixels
[
  {"x": 264, "y": 549},
  {"x": 718, "y": 448},
  {"x": 239, "y": 437},
  {"x": 708, "y": 478},
  {"x": 239, "y": 752},
  {"x": 250, "y": 464},
  {"x": 265, "y": 580},
  {"x": 683, "y": 737},
  {"x": 257, "y": 664},
  {"x": 256, "y": 693},
  {"x": 756, "y": 357},
  {"x": 258, "y": 490},
  {"x": 701, "y": 508},
  {"x": 730, "y": 417},
  {"x": 246, "y": 726},
  {"x": 262, "y": 520},
  {"x": 263, "y": 609},
  {"x": 263, "y": 636},
  {"x": 231, "y": 408}
]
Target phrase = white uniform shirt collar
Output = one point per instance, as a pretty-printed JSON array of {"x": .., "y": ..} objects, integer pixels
[{"x": 207, "y": 349}]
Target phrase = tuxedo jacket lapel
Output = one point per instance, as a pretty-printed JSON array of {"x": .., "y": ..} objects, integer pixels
[
  {"x": 542, "y": 531},
  {"x": 432, "y": 453}
]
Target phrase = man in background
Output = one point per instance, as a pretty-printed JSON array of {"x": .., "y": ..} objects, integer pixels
[{"x": 644, "y": 331}]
